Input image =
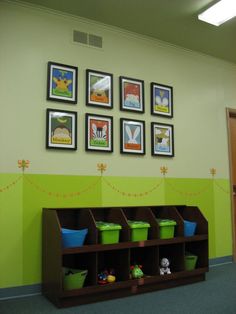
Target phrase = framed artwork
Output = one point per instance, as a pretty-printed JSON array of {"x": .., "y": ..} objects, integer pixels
[
  {"x": 98, "y": 133},
  {"x": 132, "y": 135},
  {"x": 62, "y": 83},
  {"x": 161, "y": 100},
  {"x": 162, "y": 139},
  {"x": 99, "y": 89},
  {"x": 61, "y": 129},
  {"x": 131, "y": 94}
]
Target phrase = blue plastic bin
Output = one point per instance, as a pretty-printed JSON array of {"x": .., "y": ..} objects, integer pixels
[
  {"x": 189, "y": 228},
  {"x": 73, "y": 238}
]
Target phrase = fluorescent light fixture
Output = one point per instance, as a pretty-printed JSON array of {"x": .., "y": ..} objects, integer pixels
[{"x": 219, "y": 13}]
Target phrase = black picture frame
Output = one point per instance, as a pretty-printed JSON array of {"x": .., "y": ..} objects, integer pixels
[
  {"x": 62, "y": 82},
  {"x": 161, "y": 100},
  {"x": 99, "y": 89},
  {"x": 98, "y": 133},
  {"x": 61, "y": 129},
  {"x": 131, "y": 94},
  {"x": 162, "y": 139},
  {"x": 132, "y": 136}
]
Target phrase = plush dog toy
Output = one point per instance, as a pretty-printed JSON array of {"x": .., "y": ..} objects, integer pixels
[{"x": 164, "y": 269}]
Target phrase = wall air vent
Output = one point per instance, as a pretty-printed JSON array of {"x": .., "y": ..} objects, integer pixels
[
  {"x": 95, "y": 41},
  {"x": 87, "y": 39},
  {"x": 80, "y": 37}
]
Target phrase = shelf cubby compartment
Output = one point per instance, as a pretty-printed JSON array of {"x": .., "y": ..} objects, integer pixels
[
  {"x": 118, "y": 260},
  {"x": 147, "y": 257},
  {"x": 78, "y": 218},
  {"x": 113, "y": 215},
  {"x": 83, "y": 261},
  {"x": 200, "y": 249},
  {"x": 193, "y": 214},
  {"x": 142, "y": 214},
  {"x": 169, "y": 212},
  {"x": 175, "y": 254}
]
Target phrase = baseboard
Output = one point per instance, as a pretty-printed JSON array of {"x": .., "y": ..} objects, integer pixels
[
  {"x": 19, "y": 292},
  {"x": 220, "y": 260},
  {"x": 24, "y": 291}
]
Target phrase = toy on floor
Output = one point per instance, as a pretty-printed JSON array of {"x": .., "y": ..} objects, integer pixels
[
  {"x": 136, "y": 271},
  {"x": 164, "y": 269},
  {"x": 106, "y": 277}
]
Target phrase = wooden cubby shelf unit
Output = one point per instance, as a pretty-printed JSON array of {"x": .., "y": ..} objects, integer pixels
[{"x": 94, "y": 257}]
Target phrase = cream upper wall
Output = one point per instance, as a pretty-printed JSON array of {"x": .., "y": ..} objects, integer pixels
[{"x": 203, "y": 87}]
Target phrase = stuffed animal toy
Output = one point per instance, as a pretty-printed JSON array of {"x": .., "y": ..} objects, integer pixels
[
  {"x": 102, "y": 277},
  {"x": 136, "y": 271},
  {"x": 164, "y": 269},
  {"x": 111, "y": 277},
  {"x": 105, "y": 277}
]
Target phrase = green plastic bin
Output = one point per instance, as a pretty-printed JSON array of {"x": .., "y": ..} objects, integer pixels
[
  {"x": 139, "y": 230},
  {"x": 74, "y": 278},
  {"x": 109, "y": 232},
  {"x": 167, "y": 228},
  {"x": 190, "y": 261}
]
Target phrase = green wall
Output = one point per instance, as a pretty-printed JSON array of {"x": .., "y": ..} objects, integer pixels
[
  {"x": 22, "y": 203},
  {"x": 11, "y": 230},
  {"x": 203, "y": 87}
]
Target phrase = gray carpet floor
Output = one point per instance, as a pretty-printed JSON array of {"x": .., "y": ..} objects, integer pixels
[{"x": 216, "y": 295}]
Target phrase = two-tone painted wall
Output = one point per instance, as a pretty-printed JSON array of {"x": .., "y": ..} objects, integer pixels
[{"x": 203, "y": 88}]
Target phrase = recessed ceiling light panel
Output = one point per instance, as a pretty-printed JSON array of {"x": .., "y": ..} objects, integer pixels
[{"x": 219, "y": 13}]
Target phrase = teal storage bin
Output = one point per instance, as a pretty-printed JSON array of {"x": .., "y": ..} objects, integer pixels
[
  {"x": 73, "y": 238},
  {"x": 189, "y": 228},
  {"x": 139, "y": 230},
  {"x": 167, "y": 228},
  {"x": 109, "y": 232},
  {"x": 74, "y": 278}
]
